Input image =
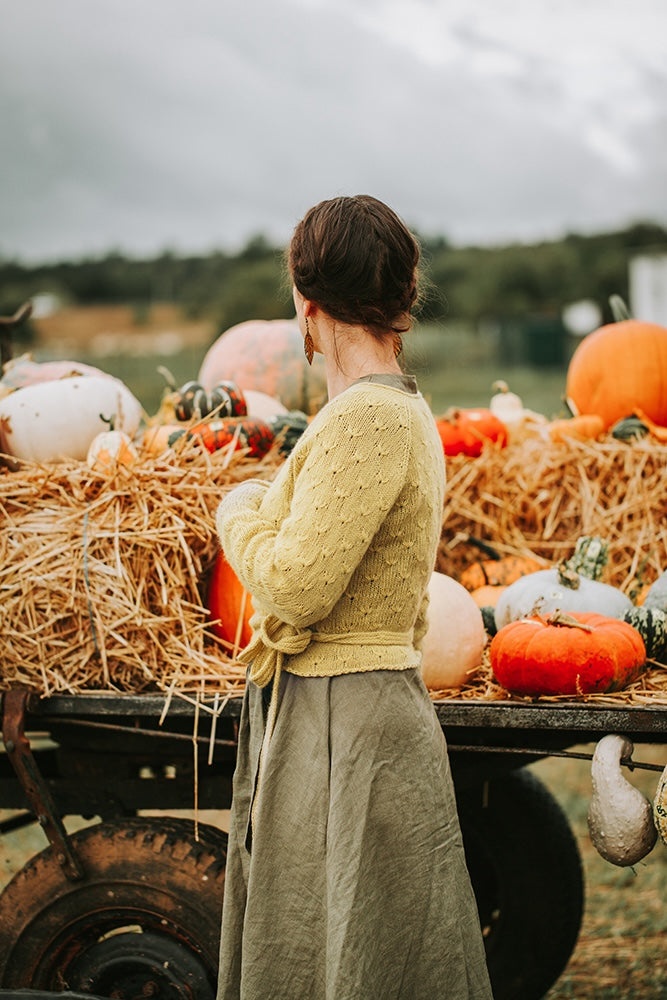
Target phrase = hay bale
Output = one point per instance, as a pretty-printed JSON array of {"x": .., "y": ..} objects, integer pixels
[
  {"x": 102, "y": 576},
  {"x": 538, "y": 497}
]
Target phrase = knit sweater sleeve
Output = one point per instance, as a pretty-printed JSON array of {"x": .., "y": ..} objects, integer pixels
[{"x": 337, "y": 498}]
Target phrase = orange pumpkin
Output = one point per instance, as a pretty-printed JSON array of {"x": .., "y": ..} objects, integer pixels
[
  {"x": 581, "y": 428},
  {"x": 230, "y": 605},
  {"x": 497, "y": 572},
  {"x": 467, "y": 431},
  {"x": 570, "y": 654},
  {"x": 267, "y": 355},
  {"x": 487, "y": 595},
  {"x": 618, "y": 368},
  {"x": 158, "y": 438}
]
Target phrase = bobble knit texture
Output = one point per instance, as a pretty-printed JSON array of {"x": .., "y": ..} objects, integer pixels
[{"x": 337, "y": 552}]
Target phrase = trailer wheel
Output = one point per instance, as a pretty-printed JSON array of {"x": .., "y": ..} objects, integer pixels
[
  {"x": 526, "y": 871},
  {"x": 144, "y": 921}
]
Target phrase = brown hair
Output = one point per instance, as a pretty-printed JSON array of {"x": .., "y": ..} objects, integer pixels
[{"x": 356, "y": 259}]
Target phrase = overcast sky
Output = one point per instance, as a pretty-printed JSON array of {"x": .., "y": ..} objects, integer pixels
[{"x": 144, "y": 125}]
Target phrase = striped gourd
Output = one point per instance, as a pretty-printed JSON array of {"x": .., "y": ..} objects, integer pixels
[{"x": 651, "y": 623}]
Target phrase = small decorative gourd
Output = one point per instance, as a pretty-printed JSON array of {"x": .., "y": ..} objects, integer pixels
[
  {"x": 620, "y": 820},
  {"x": 111, "y": 449},
  {"x": 193, "y": 401},
  {"x": 584, "y": 427},
  {"x": 566, "y": 654},
  {"x": 660, "y": 807},
  {"x": 253, "y": 436},
  {"x": 651, "y": 623},
  {"x": 509, "y": 408}
]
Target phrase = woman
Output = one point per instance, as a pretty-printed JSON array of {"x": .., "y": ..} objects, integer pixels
[{"x": 346, "y": 877}]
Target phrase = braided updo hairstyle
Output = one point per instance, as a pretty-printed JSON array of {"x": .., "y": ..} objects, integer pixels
[{"x": 356, "y": 259}]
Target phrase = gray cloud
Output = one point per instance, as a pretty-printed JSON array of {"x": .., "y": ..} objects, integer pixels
[{"x": 165, "y": 123}]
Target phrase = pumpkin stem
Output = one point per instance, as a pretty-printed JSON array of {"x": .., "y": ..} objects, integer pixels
[
  {"x": 567, "y": 576},
  {"x": 500, "y": 386},
  {"x": 168, "y": 377},
  {"x": 562, "y": 618},
  {"x": 619, "y": 309}
]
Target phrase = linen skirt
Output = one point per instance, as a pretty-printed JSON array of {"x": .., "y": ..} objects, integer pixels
[{"x": 350, "y": 883}]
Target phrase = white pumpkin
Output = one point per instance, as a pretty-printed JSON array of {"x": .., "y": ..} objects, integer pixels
[
  {"x": 545, "y": 591},
  {"x": 262, "y": 406},
  {"x": 454, "y": 642},
  {"x": 56, "y": 420}
]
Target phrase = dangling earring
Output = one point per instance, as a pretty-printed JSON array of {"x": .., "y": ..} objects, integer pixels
[
  {"x": 398, "y": 344},
  {"x": 308, "y": 345}
]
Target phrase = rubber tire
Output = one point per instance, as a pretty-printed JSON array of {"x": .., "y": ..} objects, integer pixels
[
  {"x": 142, "y": 874},
  {"x": 526, "y": 872}
]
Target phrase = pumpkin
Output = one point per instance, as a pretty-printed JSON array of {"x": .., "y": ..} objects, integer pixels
[
  {"x": 580, "y": 428},
  {"x": 509, "y": 408},
  {"x": 455, "y": 638},
  {"x": 467, "y": 431},
  {"x": 651, "y": 623},
  {"x": 618, "y": 368},
  {"x": 192, "y": 400},
  {"x": 23, "y": 371},
  {"x": 559, "y": 589},
  {"x": 656, "y": 595},
  {"x": 497, "y": 572},
  {"x": 489, "y": 619},
  {"x": 629, "y": 429},
  {"x": 58, "y": 419},
  {"x": 566, "y": 654},
  {"x": 229, "y": 603},
  {"x": 158, "y": 438},
  {"x": 261, "y": 405},
  {"x": 110, "y": 450},
  {"x": 246, "y": 433},
  {"x": 488, "y": 595},
  {"x": 267, "y": 355},
  {"x": 287, "y": 429}
]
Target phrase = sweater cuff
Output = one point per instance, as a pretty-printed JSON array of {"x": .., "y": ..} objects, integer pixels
[{"x": 244, "y": 496}]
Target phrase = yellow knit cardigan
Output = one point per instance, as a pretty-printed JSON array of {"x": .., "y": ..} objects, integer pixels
[{"x": 338, "y": 550}]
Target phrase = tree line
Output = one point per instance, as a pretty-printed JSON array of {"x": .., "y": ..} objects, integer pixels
[{"x": 462, "y": 284}]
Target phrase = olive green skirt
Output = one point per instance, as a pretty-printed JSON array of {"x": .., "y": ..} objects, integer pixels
[{"x": 351, "y": 882}]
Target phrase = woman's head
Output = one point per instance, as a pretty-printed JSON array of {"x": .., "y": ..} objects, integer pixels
[{"x": 355, "y": 258}]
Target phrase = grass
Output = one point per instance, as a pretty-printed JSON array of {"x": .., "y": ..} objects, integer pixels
[{"x": 621, "y": 953}]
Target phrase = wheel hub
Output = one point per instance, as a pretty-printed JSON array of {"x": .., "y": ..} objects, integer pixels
[{"x": 134, "y": 966}]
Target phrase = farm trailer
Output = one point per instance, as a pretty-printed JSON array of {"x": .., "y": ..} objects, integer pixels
[{"x": 129, "y": 905}]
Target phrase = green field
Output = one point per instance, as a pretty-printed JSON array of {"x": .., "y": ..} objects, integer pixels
[{"x": 455, "y": 366}]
